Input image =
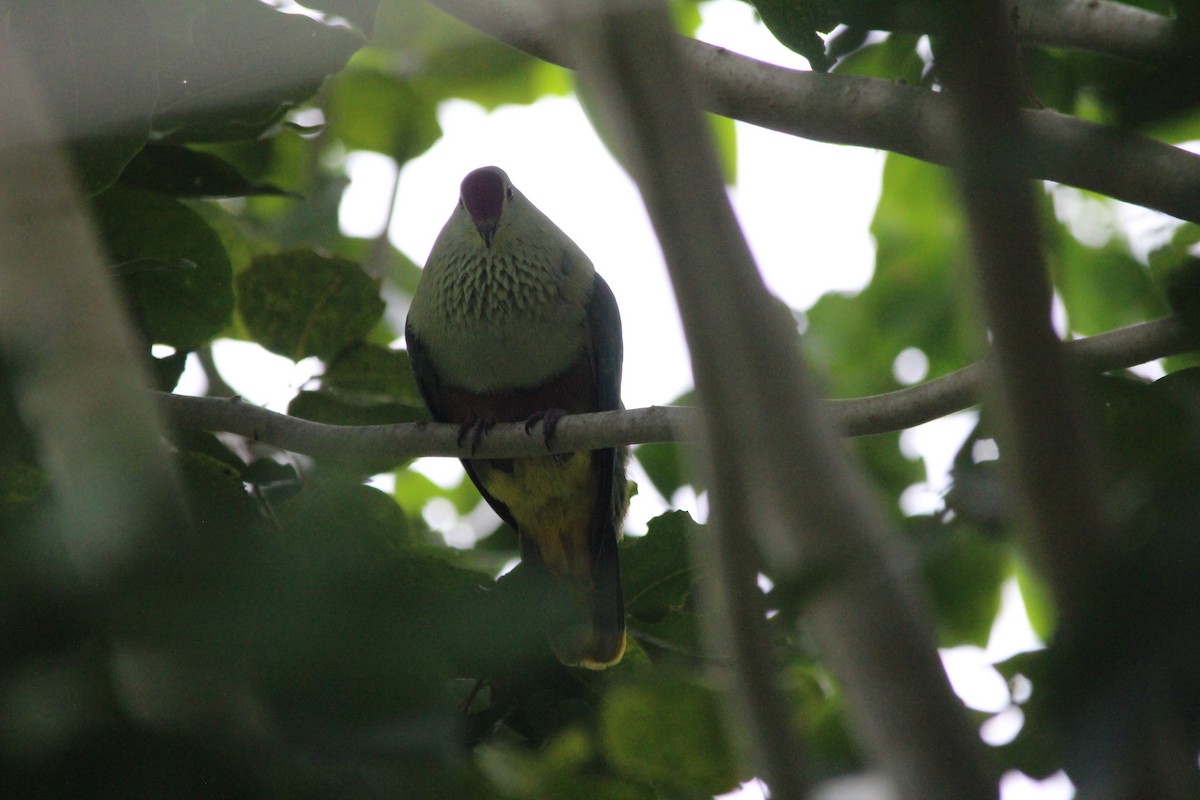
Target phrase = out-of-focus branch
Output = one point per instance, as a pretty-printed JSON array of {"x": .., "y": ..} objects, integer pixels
[
  {"x": 858, "y": 416},
  {"x": 1044, "y": 424},
  {"x": 871, "y": 112},
  {"x": 782, "y": 481},
  {"x": 79, "y": 386},
  {"x": 1100, "y": 26}
]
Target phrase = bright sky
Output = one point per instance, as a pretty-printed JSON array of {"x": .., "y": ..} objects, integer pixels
[{"x": 806, "y": 243}]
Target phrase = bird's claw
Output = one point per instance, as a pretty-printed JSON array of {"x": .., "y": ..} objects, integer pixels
[
  {"x": 549, "y": 419},
  {"x": 474, "y": 430}
]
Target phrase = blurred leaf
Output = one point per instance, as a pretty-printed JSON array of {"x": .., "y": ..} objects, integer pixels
[
  {"x": 664, "y": 463},
  {"x": 895, "y": 58},
  {"x": 96, "y": 67},
  {"x": 413, "y": 490},
  {"x": 963, "y": 573},
  {"x": 1177, "y": 270},
  {"x": 1039, "y": 606},
  {"x": 166, "y": 371},
  {"x": 333, "y": 408},
  {"x": 369, "y": 371},
  {"x": 455, "y": 60},
  {"x": 1102, "y": 288},
  {"x": 20, "y": 485},
  {"x": 667, "y": 732},
  {"x": 300, "y": 303},
  {"x": 819, "y": 709},
  {"x": 846, "y": 40},
  {"x": 724, "y": 133},
  {"x": 917, "y": 296},
  {"x": 795, "y": 25},
  {"x": 236, "y": 67},
  {"x": 217, "y": 498},
  {"x": 180, "y": 307},
  {"x": 559, "y": 771},
  {"x": 179, "y": 172},
  {"x": 1037, "y": 749},
  {"x": 372, "y": 110}
]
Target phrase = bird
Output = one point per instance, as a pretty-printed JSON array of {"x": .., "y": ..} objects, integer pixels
[{"x": 510, "y": 322}]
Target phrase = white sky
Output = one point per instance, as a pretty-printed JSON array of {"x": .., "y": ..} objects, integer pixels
[{"x": 805, "y": 208}]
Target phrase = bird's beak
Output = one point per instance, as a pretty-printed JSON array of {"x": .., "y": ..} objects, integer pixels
[{"x": 487, "y": 230}]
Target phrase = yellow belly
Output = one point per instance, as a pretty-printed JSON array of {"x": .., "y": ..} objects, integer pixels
[{"x": 552, "y": 500}]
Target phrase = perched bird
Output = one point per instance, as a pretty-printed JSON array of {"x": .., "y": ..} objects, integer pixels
[{"x": 510, "y": 323}]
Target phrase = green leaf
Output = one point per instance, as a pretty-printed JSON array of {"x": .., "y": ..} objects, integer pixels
[
  {"x": 456, "y": 61},
  {"x": 374, "y": 110},
  {"x": 664, "y": 463},
  {"x": 1037, "y": 750},
  {"x": 1102, "y": 288},
  {"x": 561, "y": 770},
  {"x": 301, "y": 304},
  {"x": 1177, "y": 270},
  {"x": 918, "y": 297},
  {"x": 656, "y": 571},
  {"x": 216, "y": 497},
  {"x": 333, "y": 408},
  {"x": 724, "y": 133},
  {"x": 895, "y": 58},
  {"x": 178, "y": 306},
  {"x": 1039, "y": 605},
  {"x": 963, "y": 573},
  {"x": 180, "y": 172},
  {"x": 371, "y": 372},
  {"x": 669, "y": 733}
]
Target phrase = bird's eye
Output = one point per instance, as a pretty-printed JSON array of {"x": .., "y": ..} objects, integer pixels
[{"x": 508, "y": 193}]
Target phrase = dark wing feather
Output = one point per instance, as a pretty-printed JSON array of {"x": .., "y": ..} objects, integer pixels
[
  {"x": 607, "y": 352},
  {"x": 429, "y": 386}
]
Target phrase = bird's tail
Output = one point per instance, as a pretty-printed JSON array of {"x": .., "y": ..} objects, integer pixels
[
  {"x": 589, "y": 615},
  {"x": 597, "y": 642}
]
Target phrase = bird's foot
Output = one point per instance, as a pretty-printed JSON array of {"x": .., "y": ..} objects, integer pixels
[
  {"x": 549, "y": 419},
  {"x": 474, "y": 430}
]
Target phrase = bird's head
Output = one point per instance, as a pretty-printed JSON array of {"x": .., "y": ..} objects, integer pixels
[{"x": 486, "y": 195}]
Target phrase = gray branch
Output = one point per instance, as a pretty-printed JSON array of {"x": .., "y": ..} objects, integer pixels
[
  {"x": 1099, "y": 26},
  {"x": 783, "y": 488},
  {"x": 882, "y": 114},
  {"x": 1044, "y": 422},
  {"x": 860, "y": 416}
]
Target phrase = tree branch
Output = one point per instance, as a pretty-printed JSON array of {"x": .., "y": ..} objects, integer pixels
[
  {"x": 78, "y": 382},
  {"x": 882, "y": 114},
  {"x": 1043, "y": 420},
  {"x": 783, "y": 488},
  {"x": 1100, "y": 26},
  {"x": 860, "y": 416}
]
